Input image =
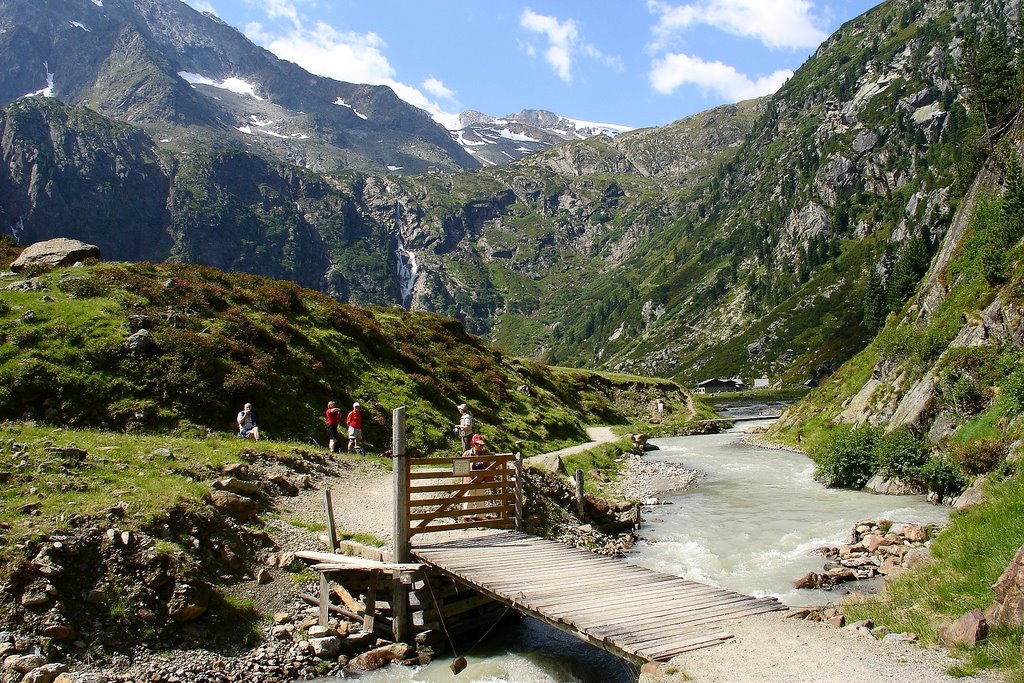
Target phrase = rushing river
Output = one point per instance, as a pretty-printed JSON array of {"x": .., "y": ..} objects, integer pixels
[
  {"x": 748, "y": 525},
  {"x": 751, "y": 522}
]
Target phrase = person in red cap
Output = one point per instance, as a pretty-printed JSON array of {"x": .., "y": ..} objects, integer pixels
[{"x": 476, "y": 447}]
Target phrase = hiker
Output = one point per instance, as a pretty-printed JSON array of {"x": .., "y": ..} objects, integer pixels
[
  {"x": 465, "y": 426},
  {"x": 354, "y": 420},
  {"x": 476, "y": 447},
  {"x": 333, "y": 416},
  {"x": 247, "y": 428}
]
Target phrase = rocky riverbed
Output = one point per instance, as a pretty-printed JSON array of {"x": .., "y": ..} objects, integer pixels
[{"x": 644, "y": 480}]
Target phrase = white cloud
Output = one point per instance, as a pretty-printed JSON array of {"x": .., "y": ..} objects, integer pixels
[
  {"x": 347, "y": 56},
  {"x": 564, "y": 43},
  {"x": 674, "y": 70},
  {"x": 353, "y": 57},
  {"x": 775, "y": 23},
  {"x": 437, "y": 88},
  {"x": 279, "y": 9}
]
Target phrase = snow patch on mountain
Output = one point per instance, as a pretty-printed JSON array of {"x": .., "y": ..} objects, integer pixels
[
  {"x": 342, "y": 103},
  {"x": 48, "y": 90},
  {"x": 235, "y": 85},
  {"x": 78, "y": 24}
]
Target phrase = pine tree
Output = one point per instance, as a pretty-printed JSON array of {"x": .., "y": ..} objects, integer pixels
[{"x": 874, "y": 303}]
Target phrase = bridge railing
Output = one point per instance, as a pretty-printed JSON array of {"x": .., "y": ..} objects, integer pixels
[{"x": 445, "y": 493}]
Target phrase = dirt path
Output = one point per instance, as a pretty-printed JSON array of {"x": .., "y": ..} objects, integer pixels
[
  {"x": 772, "y": 649},
  {"x": 549, "y": 461}
]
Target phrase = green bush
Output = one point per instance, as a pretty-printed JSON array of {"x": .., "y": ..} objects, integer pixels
[
  {"x": 1013, "y": 389},
  {"x": 961, "y": 393},
  {"x": 979, "y": 456},
  {"x": 846, "y": 457},
  {"x": 901, "y": 455},
  {"x": 941, "y": 476}
]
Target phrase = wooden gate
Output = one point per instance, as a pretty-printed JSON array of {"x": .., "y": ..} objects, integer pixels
[{"x": 444, "y": 493}]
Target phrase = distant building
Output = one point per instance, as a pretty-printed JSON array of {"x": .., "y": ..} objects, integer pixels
[
  {"x": 761, "y": 383},
  {"x": 718, "y": 385}
]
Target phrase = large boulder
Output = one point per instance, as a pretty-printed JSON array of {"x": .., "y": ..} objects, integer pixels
[
  {"x": 974, "y": 494},
  {"x": 235, "y": 506},
  {"x": 1008, "y": 609},
  {"x": 968, "y": 630},
  {"x": 382, "y": 656},
  {"x": 189, "y": 601},
  {"x": 56, "y": 252}
]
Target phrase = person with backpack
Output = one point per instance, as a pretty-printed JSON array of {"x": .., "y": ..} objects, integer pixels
[{"x": 333, "y": 417}]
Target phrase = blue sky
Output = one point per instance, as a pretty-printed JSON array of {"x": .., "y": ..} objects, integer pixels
[{"x": 630, "y": 62}]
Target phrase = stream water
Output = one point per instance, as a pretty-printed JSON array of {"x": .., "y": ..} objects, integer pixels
[{"x": 748, "y": 525}]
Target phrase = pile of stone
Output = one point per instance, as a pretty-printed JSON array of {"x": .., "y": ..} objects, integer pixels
[
  {"x": 22, "y": 658},
  {"x": 296, "y": 647},
  {"x": 643, "y": 479},
  {"x": 875, "y": 548},
  {"x": 833, "y": 616},
  {"x": 586, "y": 537}
]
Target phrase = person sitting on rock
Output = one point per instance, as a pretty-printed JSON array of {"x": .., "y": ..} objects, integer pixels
[{"x": 247, "y": 428}]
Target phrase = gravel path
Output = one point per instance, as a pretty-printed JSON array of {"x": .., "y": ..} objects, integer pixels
[{"x": 772, "y": 649}]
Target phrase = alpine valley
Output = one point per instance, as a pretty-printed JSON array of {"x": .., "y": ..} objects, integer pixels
[
  {"x": 738, "y": 240},
  {"x": 262, "y": 231}
]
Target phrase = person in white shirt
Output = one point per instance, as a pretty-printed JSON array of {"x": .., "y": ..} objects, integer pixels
[{"x": 465, "y": 426}]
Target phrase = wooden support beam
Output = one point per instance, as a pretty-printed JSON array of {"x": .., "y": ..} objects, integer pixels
[
  {"x": 400, "y": 529},
  {"x": 580, "y": 509}
]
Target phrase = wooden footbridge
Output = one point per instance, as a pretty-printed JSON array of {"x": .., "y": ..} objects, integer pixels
[{"x": 635, "y": 613}]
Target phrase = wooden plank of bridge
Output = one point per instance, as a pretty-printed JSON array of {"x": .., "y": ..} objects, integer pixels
[{"x": 635, "y": 613}]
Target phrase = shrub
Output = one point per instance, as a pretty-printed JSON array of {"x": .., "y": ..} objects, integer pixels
[
  {"x": 978, "y": 457},
  {"x": 82, "y": 287},
  {"x": 846, "y": 457},
  {"x": 941, "y": 476},
  {"x": 901, "y": 455},
  {"x": 961, "y": 393},
  {"x": 1013, "y": 389}
]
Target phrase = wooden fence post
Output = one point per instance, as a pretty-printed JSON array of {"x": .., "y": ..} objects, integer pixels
[
  {"x": 332, "y": 538},
  {"x": 400, "y": 534},
  {"x": 579, "y": 496},
  {"x": 519, "y": 491},
  {"x": 332, "y": 534}
]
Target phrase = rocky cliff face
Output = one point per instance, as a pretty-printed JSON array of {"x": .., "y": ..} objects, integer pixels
[
  {"x": 189, "y": 79},
  {"x": 71, "y": 172},
  {"x": 852, "y": 163}
]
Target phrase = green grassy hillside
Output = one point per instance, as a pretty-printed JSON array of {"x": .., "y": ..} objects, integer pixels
[{"x": 218, "y": 340}]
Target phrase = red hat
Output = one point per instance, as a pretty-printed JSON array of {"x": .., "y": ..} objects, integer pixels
[{"x": 477, "y": 438}]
